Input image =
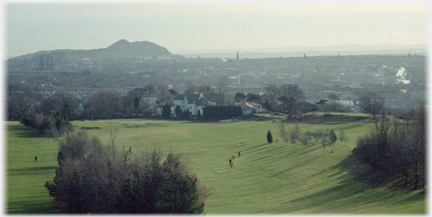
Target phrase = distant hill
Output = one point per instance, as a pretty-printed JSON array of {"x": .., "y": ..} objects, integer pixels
[{"x": 121, "y": 49}]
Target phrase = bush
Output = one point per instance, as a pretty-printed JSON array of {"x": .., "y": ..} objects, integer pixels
[{"x": 94, "y": 179}]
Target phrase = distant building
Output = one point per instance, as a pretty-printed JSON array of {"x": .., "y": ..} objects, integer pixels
[
  {"x": 250, "y": 107},
  {"x": 193, "y": 102}
]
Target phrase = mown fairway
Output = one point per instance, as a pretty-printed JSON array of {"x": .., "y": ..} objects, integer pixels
[{"x": 266, "y": 179}]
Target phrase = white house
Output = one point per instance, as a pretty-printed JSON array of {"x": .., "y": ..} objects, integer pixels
[
  {"x": 250, "y": 107},
  {"x": 194, "y": 102}
]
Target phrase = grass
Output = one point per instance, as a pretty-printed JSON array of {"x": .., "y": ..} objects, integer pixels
[{"x": 267, "y": 178}]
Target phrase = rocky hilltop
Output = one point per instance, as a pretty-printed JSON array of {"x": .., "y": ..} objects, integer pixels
[{"x": 122, "y": 49}]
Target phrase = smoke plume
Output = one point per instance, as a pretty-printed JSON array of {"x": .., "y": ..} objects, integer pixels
[{"x": 401, "y": 76}]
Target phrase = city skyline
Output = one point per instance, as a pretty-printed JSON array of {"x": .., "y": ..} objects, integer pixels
[{"x": 183, "y": 27}]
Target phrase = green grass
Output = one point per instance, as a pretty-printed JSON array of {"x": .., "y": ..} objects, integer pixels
[{"x": 267, "y": 178}]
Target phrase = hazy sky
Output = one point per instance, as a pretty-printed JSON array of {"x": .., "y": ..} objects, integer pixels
[{"x": 189, "y": 26}]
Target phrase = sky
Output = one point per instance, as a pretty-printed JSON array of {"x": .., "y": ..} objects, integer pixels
[{"x": 189, "y": 26}]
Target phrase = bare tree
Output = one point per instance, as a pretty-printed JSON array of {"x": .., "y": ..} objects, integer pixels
[
  {"x": 283, "y": 132},
  {"x": 371, "y": 103},
  {"x": 221, "y": 94},
  {"x": 324, "y": 140},
  {"x": 164, "y": 96},
  {"x": 305, "y": 141},
  {"x": 321, "y": 103},
  {"x": 112, "y": 130},
  {"x": 335, "y": 104},
  {"x": 342, "y": 136},
  {"x": 272, "y": 93},
  {"x": 290, "y": 94},
  {"x": 333, "y": 138},
  {"x": 294, "y": 134}
]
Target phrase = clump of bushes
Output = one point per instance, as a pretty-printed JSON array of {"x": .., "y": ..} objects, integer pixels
[
  {"x": 92, "y": 178},
  {"x": 396, "y": 151},
  {"x": 48, "y": 125}
]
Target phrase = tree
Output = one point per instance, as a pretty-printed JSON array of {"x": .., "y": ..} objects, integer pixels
[
  {"x": 149, "y": 90},
  {"x": 272, "y": 92},
  {"x": 220, "y": 94},
  {"x": 136, "y": 102},
  {"x": 321, "y": 103},
  {"x": 187, "y": 114},
  {"x": 342, "y": 136},
  {"x": 294, "y": 134},
  {"x": 324, "y": 140},
  {"x": 164, "y": 95},
  {"x": 90, "y": 180},
  {"x": 290, "y": 94},
  {"x": 250, "y": 97},
  {"x": 333, "y": 138},
  {"x": 283, "y": 132},
  {"x": 239, "y": 97},
  {"x": 396, "y": 151},
  {"x": 269, "y": 137},
  {"x": 166, "y": 111},
  {"x": 173, "y": 92},
  {"x": 335, "y": 104},
  {"x": 199, "y": 114},
  {"x": 104, "y": 105},
  {"x": 371, "y": 103},
  {"x": 178, "y": 112}
]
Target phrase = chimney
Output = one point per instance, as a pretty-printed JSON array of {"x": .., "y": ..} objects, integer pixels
[{"x": 201, "y": 95}]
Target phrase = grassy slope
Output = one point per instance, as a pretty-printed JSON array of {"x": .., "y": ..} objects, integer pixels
[{"x": 267, "y": 178}]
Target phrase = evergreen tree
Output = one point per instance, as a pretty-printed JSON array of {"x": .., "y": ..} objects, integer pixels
[
  {"x": 166, "y": 111},
  {"x": 269, "y": 137},
  {"x": 178, "y": 112},
  {"x": 199, "y": 114}
]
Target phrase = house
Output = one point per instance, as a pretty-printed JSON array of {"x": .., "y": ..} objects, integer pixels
[
  {"x": 192, "y": 102},
  {"x": 250, "y": 107}
]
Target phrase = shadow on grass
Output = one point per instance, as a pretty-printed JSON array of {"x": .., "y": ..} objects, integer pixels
[
  {"x": 356, "y": 185},
  {"x": 331, "y": 119},
  {"x": 251, "y": 148},
  {"x": 30, "y": 170},
  {"x": 22, "y": 131},
  {"x": 264, "y": 118},
  {"x": 31, "y": 207}
]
